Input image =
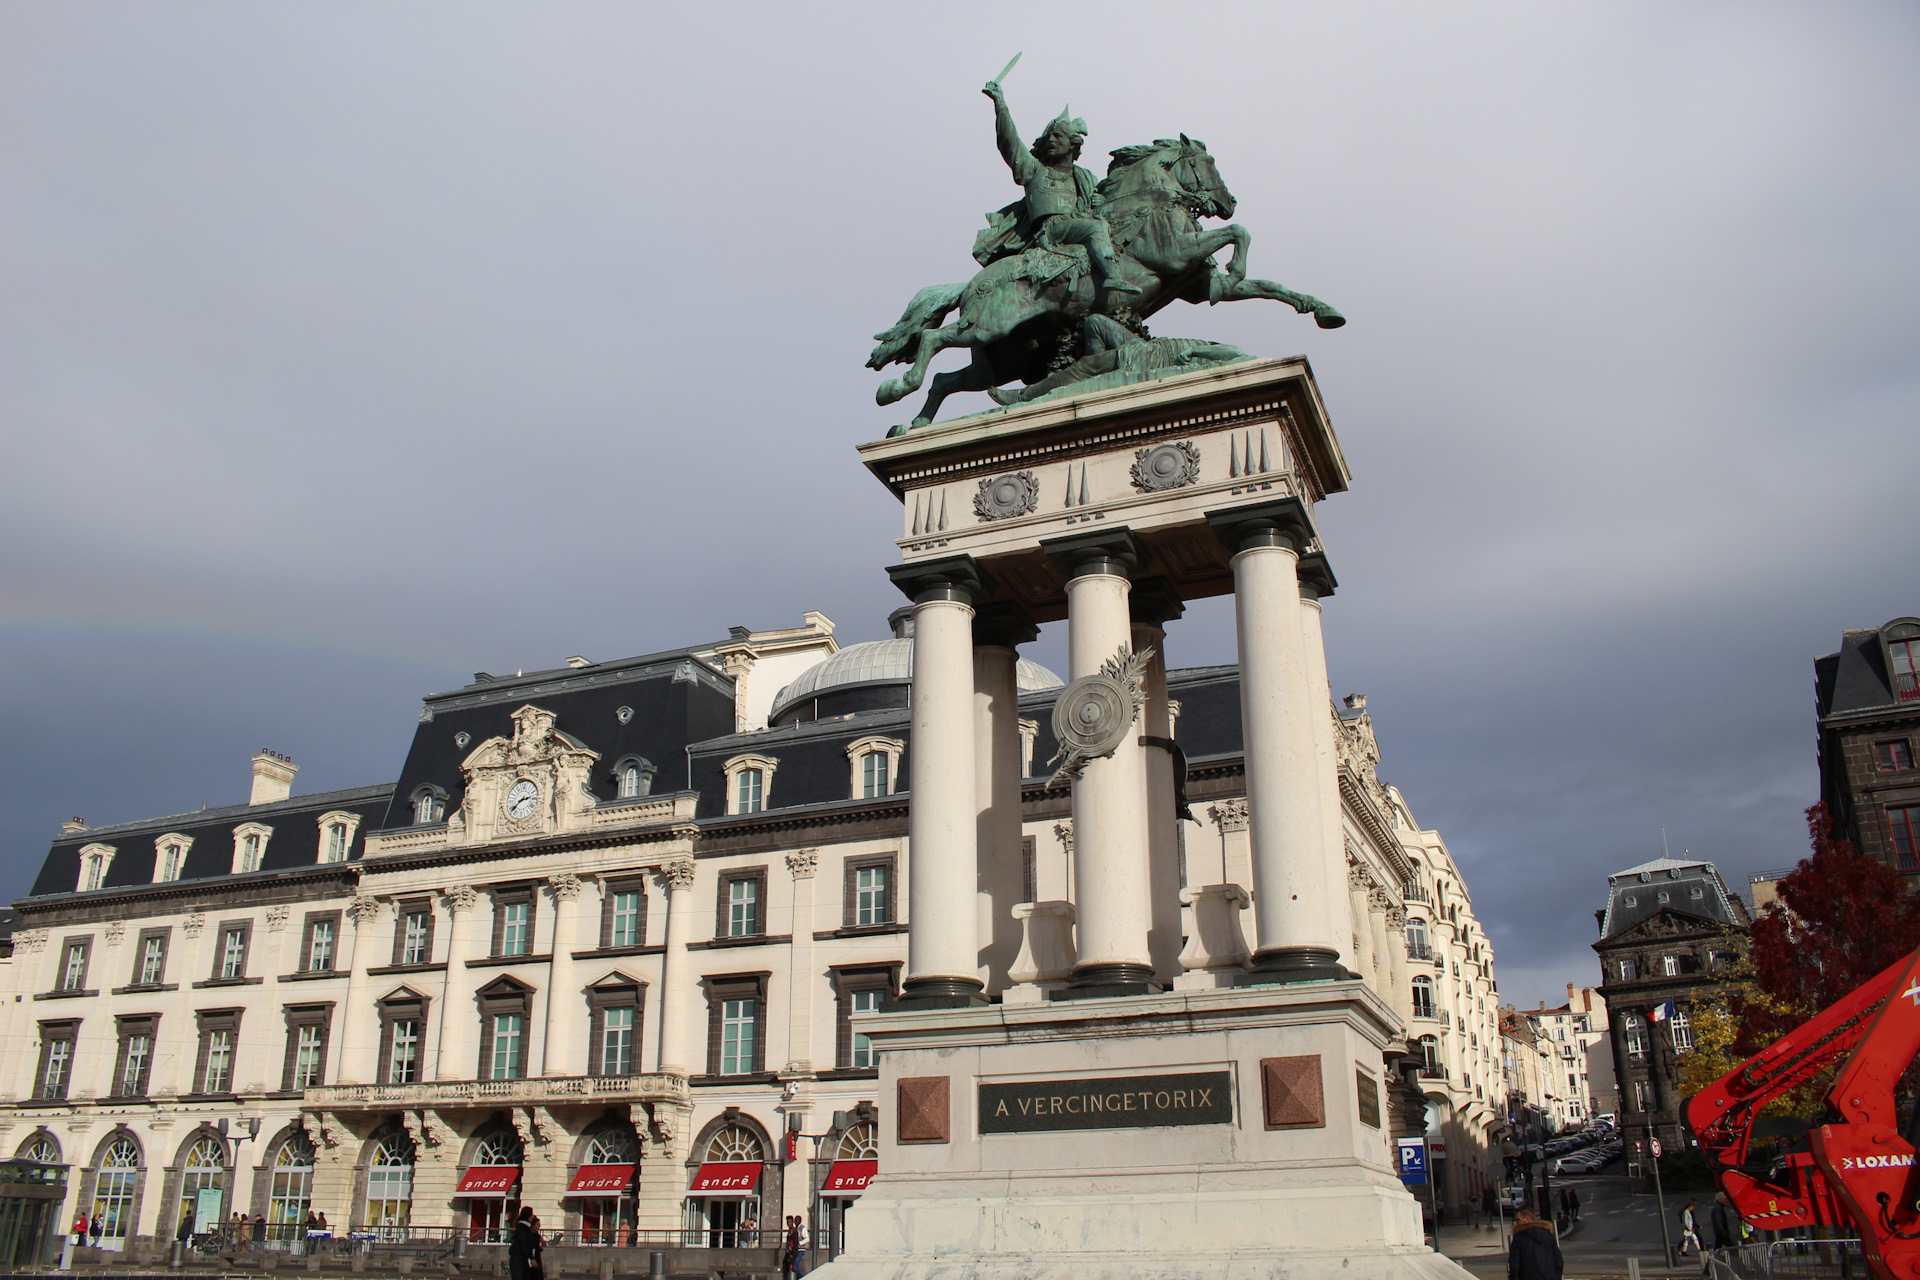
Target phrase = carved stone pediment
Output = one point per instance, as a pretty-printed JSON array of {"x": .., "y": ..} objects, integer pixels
[
  {"x": 534, "y": 783},
  {"x": 1663, "y": 924}
]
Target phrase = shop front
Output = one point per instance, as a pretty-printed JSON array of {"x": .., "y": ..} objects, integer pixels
[
  {"x": 855, "y": 1161},
  {"x": 603, "y": 1187}
]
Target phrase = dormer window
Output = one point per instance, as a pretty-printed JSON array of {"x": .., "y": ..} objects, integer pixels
[
  {"x": 876, "y": 766},
  {"x": 250, "y": 846},
  {"x": 95, "y": 859},
  {"x": 429, "y": 806},
  {"x": 633, "y": 778},
  {"x": 170, "y": 857},
  {"x": 336, "y": 834},
  {"x": 1903, "y": 658},
  {"x": 749, "y": 779}
]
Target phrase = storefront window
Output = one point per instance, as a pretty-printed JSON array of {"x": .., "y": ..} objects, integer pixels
[
  {"x": 291, "y": 1194},
  {"x": 113, "y": 1192},
  {"x": 609, "y": 1219},
  {"x": 204, "y": 1170},
  {"x": 390, "y": 1184}
]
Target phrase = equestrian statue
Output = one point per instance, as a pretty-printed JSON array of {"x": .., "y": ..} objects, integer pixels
[{"x": 1072, "y": 270}]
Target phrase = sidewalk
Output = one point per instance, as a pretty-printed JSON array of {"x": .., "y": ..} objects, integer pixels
[{"x": 1482, "y": 1253}]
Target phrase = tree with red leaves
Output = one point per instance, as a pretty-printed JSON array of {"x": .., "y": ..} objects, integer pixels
[{"x": 1841, "y": 918}]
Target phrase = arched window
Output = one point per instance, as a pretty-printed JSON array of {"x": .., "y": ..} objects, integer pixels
[
  {"x": 390, "y": 1183},
  {"x": 429, "y": 806},
  {"x": 633, "y": 778},
  {"x": 1423, "y": 997},
  {"x": 859, "y": 1142},
  {"x": 204, "y": 1169},
  {"x": 1635, "y": 1028},
  {"x": 41, "y": 1150},
  {"x": 614, "y": 1146},
  {"x": 1682, "y": 1030},
  {"x": 1417, "y": 940},
  {"x": 113, "y": 1190},
  {"x": 291, "y": 1193},
  {"x": 499, "y": 1149},
  {"x": 734, "y": 1143},
  {"x": 1430, "y": 1055},
  {"x": 609, "y": 1219}
]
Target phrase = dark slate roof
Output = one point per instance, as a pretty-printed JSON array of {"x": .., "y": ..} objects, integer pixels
[
  {"x": 1668, "y": 884},
  {"x": 1856, "y": 678},
  {"x": 295, "y": 842}
]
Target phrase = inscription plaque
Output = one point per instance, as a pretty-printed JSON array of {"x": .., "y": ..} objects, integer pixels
[{"x": 1116, "y": 1102}]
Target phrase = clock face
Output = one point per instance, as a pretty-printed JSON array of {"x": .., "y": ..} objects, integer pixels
[{"x": 521, "y": 800}]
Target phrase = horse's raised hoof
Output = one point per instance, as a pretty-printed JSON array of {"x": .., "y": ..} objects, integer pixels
[
  {"x": 1328, "y": 318},
  {"x": 899, "y": 429},
  {"x": 893, "y": 389},
  {"x": 922, "y": 422}
]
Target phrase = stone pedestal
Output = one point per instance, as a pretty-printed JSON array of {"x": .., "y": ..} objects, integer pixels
[{"x": 1204, "y": 1135}]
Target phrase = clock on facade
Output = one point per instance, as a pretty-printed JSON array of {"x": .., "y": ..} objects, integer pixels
[{"x": 521, "y": 800}]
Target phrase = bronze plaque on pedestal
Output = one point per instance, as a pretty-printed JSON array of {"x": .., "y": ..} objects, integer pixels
[{"x": 1114, "y": 1102}]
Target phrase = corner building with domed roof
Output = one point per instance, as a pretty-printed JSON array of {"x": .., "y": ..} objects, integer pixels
[{"x": 598, "y": 950}]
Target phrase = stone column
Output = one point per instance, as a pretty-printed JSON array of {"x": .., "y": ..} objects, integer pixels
[
  {"x": 357, "y": 1020},
  {"x": 1398, "y": 975},
  {"x": 1316, "y": 584},
  {"x": 943, "y": 944},
  {"x": 997, "y": 629},
  {"x": 1112, "y": 864},
  {"x": 1359, "y": 885},
  {"x": 801, "y": 978},
  {"x": 566, "y": 1045},
  {"x": 1378, "y": 905},
  {"x": 459, "y": 1042},
  {"x": 1152, "y": 605},
  {"x": 674, "y": 1050},
  {"x": 1296, "y": 893}
]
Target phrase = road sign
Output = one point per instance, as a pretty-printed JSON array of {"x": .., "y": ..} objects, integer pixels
[
  {"x": 1655, "y": 1144},
  {"x": 1413, "y": 1161}
]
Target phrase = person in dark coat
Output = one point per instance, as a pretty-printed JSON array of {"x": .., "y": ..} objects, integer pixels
[
  {"x": 1489, "y": 1207},
  {"x": 523, "y": 1253},
  {"x": 1533, "y": 1253}
]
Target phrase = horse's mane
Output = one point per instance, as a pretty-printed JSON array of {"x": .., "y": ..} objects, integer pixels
[{"x": 1126, "y": 157}]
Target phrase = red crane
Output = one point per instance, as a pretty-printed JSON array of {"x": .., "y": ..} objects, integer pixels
[{"x": 1858, "y": 1168}]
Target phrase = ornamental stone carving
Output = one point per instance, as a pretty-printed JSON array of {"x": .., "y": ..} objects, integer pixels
[
  {"x": 1229, "y": 816},
  {"x": 192, "y": 925},
  {"x": 1064, "y": 831},
  {"x": 1396, "y": 918},
  {"x": 1003, "y": 497},
  {"x": 802, "y": 863},
  {"x": 277, "y": 917},
  {"x": 116, "y": 930},
  {"x": 1165, "y": 466},
  {"x": 677, "y": 877},
  {"x": 30, "y": 941},
  {"x": 365, "y": 909},
  {"x": 460, "y": 898},
  {"x": 566, "y": 887},
  {"x": 1095, "y": 713}
]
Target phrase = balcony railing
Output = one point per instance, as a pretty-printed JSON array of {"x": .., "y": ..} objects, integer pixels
[
  {"x": 1419, "y": 951},
  {"x": 1432, "y": 1071},
  {"x": 647, "y": 1088}
]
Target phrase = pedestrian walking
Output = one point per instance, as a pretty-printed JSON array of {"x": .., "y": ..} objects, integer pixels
[
  {"x": 799, "y": 1246},
  {"x": 523, "y": 1254},
  {"x": 1489, "y": 1208},
  {"x": 1533, "y": 1253},
  {"x": 98, "y": 1226},
  {"x": 1573, "y": 1204},
  {"x": 1689, "y": 1227}
]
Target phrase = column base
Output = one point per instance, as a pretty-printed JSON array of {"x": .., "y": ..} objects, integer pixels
[
  {"x": 1285, "y": 965},
  {"x": 1101, "y": 981},
  {"x": 938, "y": 993}
]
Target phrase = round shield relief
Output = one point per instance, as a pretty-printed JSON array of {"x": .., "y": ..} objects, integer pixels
[{"x": 1093, "y": 715}]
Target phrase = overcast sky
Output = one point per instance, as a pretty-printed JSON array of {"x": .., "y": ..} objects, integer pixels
[{"x": 348, "y": 349}]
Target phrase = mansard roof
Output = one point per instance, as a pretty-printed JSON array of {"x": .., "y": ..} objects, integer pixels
[
  {"x": 1688, "y": 885},
  {"x": 1856, "y": 679}
]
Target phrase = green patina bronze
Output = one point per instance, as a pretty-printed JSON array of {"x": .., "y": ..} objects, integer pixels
[{"x": 1071, "y": 271}]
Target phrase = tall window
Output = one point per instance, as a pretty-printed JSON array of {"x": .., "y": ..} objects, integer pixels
[
  {"x": 1628, "y": 971},
  {"x": 625, "y": 931},
  {"x": 309, "y": 1057},
  {"x": 336, "y": 842},
  {"x": 864, "y": 1054},
  {"x": 113, "y": 1191},
  {"x": 1417, "y": 941},
  {"x": 1682, "y": 1030},
  {"x": 1670, "y": 966},
  {"x": 1895, "y": 756},
  {"x": 172, "y": 858},
  {"x": 1906, "y": 668},
  {"x": 1641, "y": 1095},
  {"x": 509, "y": 1031},
  {"x": 1423, "y": 997},
  {"x": 1636, "y": 1035},
  {"x": 136, "y": 1059},
  {"x": 390, "y": 1183},
  {"x": 616, "y": 1042},
  {"x": 204, "y": 1170},
  {"x": 743, "y": 908},
  {"x": 403, "y": 1060},
  {"x": 233, "y": 953},
  {"x": 514, "y": 919},
  {"x": 1904, "y": 825},
  {"x": 153, "y": 961},
  {"x": 873, "y": 775},
  {"x": 56, "y": 1059},
  {"x": 414, "y": 944},
  {"x": 320, "y": 947},
  {"x": 635, "y": 780},
  {"x": 96, "y": 872},
  {"x": 291, "y": 1192},
  {"x": 428, "y": 807},
  {"x": 73, "y": 974},
  {"x": 1430, "y": 1055},
  {"x": 219, "y": 1077},
  {"x": 737, "y": 1019},
  {"x": 749, "y": 791},
  {"x": 870, "y": 894},
  {"x": 250, "y": 853}
]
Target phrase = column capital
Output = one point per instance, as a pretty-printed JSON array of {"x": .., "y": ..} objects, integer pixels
[
  {"x": 957, "y": 578},
  {"x": 1002, "y": 626},
  {"x": 802, "y": 863},
  {"x": 1154, "y": 602},
  {"x": 676, "y": 876},
  {"x": 1113, "y": 550},
  {"x": 460, "y": 898},
  {"x": 365, "y": 910},
  {"x": 566, "y": 886},
  {"x": 1316, "y": 575},
  {"x": 1283, "y": 522}
]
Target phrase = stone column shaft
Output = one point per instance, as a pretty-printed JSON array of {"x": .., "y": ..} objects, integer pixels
[
  {"x": 801, "y": 977},
  {"x": 943, "y": 948},
  {"x": 1165, "y": 934},
  {"x": 1326, "y": 753},
  {"x": 674, "y": 1050},
  {"x": 565, "y": 1051},
  {"x": 458, "y": 1027},
  {"x": 1112, "y": 865},
  {"x": 1362, "y": 934},
  {"x": 357, "y": 1019},
  {"x": 996, "y": 782}
]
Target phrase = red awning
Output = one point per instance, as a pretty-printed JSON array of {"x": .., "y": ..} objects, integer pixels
[
  {"x": 848, "y": 1177},
  {"x": 600, "y": 1179},
  {"x": 728, "y": 1176},
  {"x": 488, "y": 1180}
]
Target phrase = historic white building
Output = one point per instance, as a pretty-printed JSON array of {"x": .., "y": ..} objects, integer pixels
[
  {"x": 1581, "y": 1076},
  {"x": 596, "y": 950}
]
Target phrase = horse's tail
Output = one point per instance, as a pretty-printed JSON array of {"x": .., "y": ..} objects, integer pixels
[{"x": 928, "y": 310}]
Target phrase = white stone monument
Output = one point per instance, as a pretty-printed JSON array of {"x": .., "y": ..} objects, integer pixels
[{"x": 1129, "y": 1107}]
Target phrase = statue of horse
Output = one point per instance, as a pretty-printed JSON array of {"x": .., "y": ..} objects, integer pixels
[{"x": 1020, "y": 316}]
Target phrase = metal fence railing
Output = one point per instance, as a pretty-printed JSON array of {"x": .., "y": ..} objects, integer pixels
[
  {"x": 435, "y": 1242},
  {"x": 1790, "y": 1260}
]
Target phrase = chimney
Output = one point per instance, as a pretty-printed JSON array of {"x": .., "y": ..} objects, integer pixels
[
  {"x": 72, "y": 826},
  {"x": 272, "y": 777}
]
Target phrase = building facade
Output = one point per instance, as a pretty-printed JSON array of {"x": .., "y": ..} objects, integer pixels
[
  {"x": 1580, "y": 1078},
  {"x": 598, "y": 947},
  {"x": 1669, "y": 928},
  {"x": 1869, "y": 708}
]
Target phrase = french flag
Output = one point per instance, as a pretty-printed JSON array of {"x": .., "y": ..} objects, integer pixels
[{"x": 1662, "y": 1012}]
